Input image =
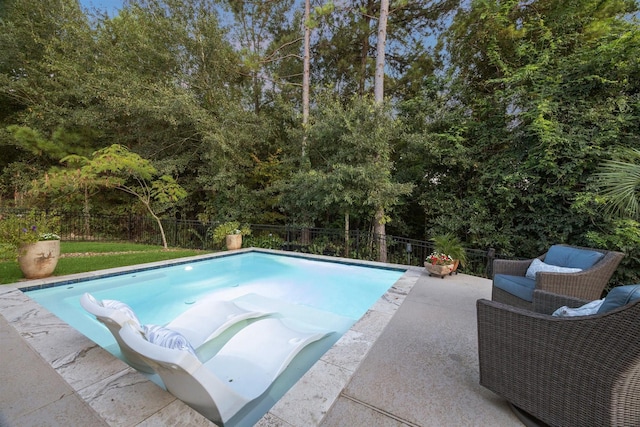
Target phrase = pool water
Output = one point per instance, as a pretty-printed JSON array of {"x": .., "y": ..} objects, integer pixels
[{"x": 329, "y": 295}]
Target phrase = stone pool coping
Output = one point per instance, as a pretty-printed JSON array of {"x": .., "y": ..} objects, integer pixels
[{"x": 119, "y": 395}]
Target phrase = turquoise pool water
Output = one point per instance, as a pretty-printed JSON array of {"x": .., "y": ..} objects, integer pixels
[{"x": 330, "y": 295}]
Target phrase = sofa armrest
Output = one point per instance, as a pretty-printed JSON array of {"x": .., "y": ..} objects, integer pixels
[
  {"x": 587, "y": 284},
  {"x": 547, "y": 302}
]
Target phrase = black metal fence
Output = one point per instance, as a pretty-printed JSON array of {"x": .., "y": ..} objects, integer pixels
[
  {"x": 197, "y": 235},
  {"x": 192, "y": 234}
]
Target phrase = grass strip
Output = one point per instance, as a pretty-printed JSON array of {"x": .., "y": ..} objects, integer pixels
[
  {"x": 100, "y": 258},
  {"x": 93, "y": 247}
]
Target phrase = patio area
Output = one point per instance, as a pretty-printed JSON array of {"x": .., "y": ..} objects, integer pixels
[
  {"x": 411, "y": 361},
  {"x": 423, "y": 369}
]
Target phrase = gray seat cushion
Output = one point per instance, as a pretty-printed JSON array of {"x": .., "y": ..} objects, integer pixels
[
  {"x": 619, "y": 296},
  {"x": 566, "y": 256},
  {"x": 520, "y": 286}
]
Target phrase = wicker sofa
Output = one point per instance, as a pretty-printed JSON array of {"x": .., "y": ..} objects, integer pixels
[
  {"x": 512, "y": 286},
  {"x": 578, "y": 371}
]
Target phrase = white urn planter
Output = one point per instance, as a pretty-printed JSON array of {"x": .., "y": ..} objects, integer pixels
[
  {"x": 234, "y": 241},
  {"x": 38, "y": 260}
]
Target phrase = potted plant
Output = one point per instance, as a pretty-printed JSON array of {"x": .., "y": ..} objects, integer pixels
[
  {"x": 438, "y": 264},
  {"x": 449, "y": 244},
  {"x": 33, "y": 240},
  {"x": 231, "y": 233}
]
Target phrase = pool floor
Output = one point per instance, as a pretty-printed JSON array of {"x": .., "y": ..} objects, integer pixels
[{"x": 115, "y": 390}]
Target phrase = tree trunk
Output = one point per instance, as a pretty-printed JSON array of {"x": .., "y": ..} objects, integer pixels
[
  {"x": 256, "y": 93},
  {"x": 364, "y": 51},
  {"x": 164, "y": 238},
  {"x": 380, "y": 234},
  {"x": 379, "y": 224},
  {"x": 87, "y": 216},
  {"x": 380, "y": 51},
  {"x": 305, "y": 75},
  {"x": 346, "y": 234}
]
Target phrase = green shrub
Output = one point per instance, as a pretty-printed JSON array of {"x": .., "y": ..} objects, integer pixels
[{"x": 232, "y": 227}]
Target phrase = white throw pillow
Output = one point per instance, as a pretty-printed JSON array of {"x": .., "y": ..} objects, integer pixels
[
  {"x": 537, "y": 265},
  {"x": 587, "y": 309},
  {"x": 168, "y": 338}
]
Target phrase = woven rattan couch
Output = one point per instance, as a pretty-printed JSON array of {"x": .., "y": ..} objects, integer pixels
[
  {"x": 579, "y": 371},
  {"x": 587, "y": 284}
]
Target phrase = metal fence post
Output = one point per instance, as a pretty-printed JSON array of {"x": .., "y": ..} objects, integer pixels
[
  {"x": 288, "y": 229},
  {"x": 491, "y": 255},
  {"x": 175, "y": 232}
]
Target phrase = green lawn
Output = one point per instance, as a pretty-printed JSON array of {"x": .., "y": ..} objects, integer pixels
[{"x": 90, "y": 256}]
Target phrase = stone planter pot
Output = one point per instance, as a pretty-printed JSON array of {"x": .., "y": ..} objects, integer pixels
[
  {"x": 438, "y": 270},
  {"x": 39, "y": 259},
  {"x": 234, "y": 241}
]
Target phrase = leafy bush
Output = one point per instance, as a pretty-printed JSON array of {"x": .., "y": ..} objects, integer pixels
[
  {"x": 624, "y": 237},
  {"x": 17, "y": 229},
  {"x": 269, "y": 241},
  {"x": 232, "y": 227}
]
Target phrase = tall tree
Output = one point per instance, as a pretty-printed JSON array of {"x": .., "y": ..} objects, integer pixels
[
  {"x": 118, "y": 168},
  {"x": 350, "y": 166},
  {"x": 32, "y": 36},
  {"x": 306, "y": 73},
  {"x": 380, "y": 51},
  {"x": 379, "y": 219},
  {"x": 547, "y": 88},
  {"x": 256, "y": 25},
  {"x": 345, "y": 50}
]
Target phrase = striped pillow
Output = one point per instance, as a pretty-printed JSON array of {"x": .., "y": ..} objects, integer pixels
[
  {"x": 120, "y": 306},
  {"x": 168, "y": 338}
]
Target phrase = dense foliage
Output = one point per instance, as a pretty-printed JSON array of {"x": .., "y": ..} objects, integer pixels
[{"x": 498, "y": 116}]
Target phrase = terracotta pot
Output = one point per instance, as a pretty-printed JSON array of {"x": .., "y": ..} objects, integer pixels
[
  {"x": 234, "y": 241},
  {"x": 456, "y": 263},
  {"x": 39, "y": 259},
  {"x": 438, "y": 270}
]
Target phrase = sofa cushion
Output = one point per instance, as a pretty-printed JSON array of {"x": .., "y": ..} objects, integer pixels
[
  {"x": 537, "y": 265},
  {"x": 619, "y": 296},
  {"x": 520, "y": 286},
  {"x": 566, "y": 256}
]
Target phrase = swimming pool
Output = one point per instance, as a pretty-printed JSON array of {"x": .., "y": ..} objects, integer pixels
[{"x": 297, "y": 285}]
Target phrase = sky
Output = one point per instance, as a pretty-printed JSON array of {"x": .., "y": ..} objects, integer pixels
[{"x": 111, "y": 6}]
